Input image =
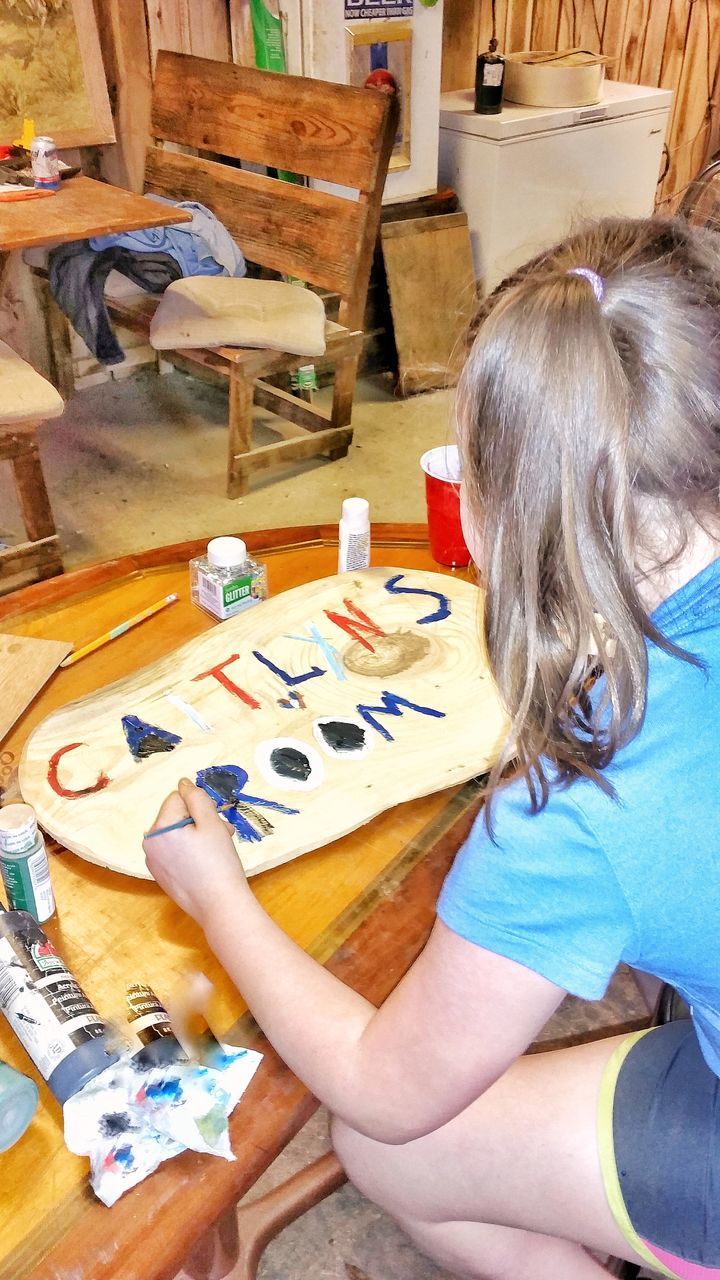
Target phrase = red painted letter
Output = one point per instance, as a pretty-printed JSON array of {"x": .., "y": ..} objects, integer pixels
[
  {"x": 354, "y": 628},
  {"x": 219, "y": 673},
  {"x": 52, "y": 775}
]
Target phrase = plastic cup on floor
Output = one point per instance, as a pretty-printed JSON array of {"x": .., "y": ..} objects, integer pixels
[{"x": 442, "y": 491}]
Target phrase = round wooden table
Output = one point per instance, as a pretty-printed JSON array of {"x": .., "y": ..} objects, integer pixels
[{"x": 363, "y": 906}]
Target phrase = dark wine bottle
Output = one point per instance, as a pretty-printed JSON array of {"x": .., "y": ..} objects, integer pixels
[{"x": 489, "y": 81}]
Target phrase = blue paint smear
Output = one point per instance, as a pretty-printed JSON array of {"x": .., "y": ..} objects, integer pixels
[
  {"x": 167, "y": 1090},
  {"x": 145, "y": 739},
  {"x": 327, "y": 648},
  {"x": 224, "y": 783},
  {"x": 124, "y": 1156},
  {"x": 391, "y": 707},
  {"x": 285, "y": 675},
  {"x": 441, "y": 613}
]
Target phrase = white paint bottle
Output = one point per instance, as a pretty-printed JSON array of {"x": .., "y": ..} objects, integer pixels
[{"x": 354, "y": 535}]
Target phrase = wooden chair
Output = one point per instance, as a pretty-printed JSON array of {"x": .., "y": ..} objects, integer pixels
[
  {"x": 329, "y": 132},
  {"x": 26, "y": 399}
]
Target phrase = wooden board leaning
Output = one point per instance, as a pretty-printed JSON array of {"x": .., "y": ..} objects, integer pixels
[
  {"x": 26, "y": 664},
  {"x": 312, "y": 713}
]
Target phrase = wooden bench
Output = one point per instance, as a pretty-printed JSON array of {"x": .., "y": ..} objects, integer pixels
[
  {"x": 26, "y": 399},
  {"x": 220, "y": 114}
]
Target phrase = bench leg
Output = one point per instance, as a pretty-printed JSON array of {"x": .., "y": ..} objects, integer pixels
[
  {"x": 41, "y": 547},
  {"x": 343, "y": 394},
  {"x": 32, "y": 493},
  {"x": 216, "y": 1253},
  {"x": 262, "y": 1220},
  {"x": 239, "y": 432},
  {"x": 59, "y": 342}
]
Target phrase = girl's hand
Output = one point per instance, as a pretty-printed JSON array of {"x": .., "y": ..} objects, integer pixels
[{"x": 197, "y": 865}]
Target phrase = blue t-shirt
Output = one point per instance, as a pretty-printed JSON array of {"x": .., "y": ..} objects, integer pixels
[{"x": 591, "y": 880}]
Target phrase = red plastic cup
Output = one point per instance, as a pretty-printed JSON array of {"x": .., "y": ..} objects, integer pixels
[{"x": 442, "y": 491}]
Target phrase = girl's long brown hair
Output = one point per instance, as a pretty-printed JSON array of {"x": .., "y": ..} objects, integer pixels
[{"x": 589, "y": 431}]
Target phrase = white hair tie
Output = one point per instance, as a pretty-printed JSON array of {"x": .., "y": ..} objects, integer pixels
[{"x": 597, "y": 282}]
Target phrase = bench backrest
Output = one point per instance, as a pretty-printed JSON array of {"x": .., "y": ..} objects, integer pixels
[{"x": 332, "y": 132}]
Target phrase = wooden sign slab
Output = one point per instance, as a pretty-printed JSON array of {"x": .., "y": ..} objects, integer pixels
[
  {"x": 26, "y": 665},
  {"x": 312, "y": 712}
]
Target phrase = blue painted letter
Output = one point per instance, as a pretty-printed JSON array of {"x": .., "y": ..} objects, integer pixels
[
  {"x": 285, "y": 675},
  {"x": 391, "y": 707},
  {"x": 440, "y": 614},
  {"x": 225, "y": 784}
]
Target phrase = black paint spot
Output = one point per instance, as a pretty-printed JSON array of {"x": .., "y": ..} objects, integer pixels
[
  {"x": 288, "y": 762},
  {"x": 343, "y": 736},
  {"x": 145, "y": 740},
  {"x": 114, "y": 1123},
  {"x": 222, "y": 781}
]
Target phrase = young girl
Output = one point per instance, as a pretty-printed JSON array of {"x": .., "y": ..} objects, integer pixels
[{"x": 589, "y": 424}]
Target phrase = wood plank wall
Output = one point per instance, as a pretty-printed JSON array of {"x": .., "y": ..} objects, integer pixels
[
  {"x": 131, "y": 32},
  {"x": 671, "y": 43}
]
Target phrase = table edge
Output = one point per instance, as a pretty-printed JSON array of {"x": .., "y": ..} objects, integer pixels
[{"x": 54, "y": 591}]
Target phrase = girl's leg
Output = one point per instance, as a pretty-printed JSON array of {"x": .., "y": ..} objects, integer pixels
[{"x": 511, "y": 1189}]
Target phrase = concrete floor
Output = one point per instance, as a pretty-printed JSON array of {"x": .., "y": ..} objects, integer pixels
[{"x": 141, "y": 463}]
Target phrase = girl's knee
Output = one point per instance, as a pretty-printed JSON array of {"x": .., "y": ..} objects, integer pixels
[
  {"x": 350, "y": 1148},
  {"x": 366, "y": 1164}
]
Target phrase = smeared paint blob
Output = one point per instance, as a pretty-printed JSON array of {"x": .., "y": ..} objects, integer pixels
[
  {"x": 169, "y": 1089},
  {"x": 122, "y": 1156},
  {"x": 342, "y": 737},
  {"x": 113, "y": 1123},
  {"x": 101, "y": 781},
  {"x": 293, "y": 702},
  {"x": 288, "y": 762},
  {"x": 393, "y": 653},
  {"x": 145, "y": 740}
]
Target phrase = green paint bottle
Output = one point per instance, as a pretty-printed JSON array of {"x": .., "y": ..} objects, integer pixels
[{"x": 24, "y": 863}]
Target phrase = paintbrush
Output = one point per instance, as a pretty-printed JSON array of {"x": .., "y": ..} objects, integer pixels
[
  {"x": 184, "y": 822},
  {"x": 190, "y": 1009}
]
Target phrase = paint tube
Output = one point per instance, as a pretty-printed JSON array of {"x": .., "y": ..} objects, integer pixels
[
  {"x": 354, "y": 535},
  {"x": 150, "y": 1021},
  {"x": 49, "y": 1012}
]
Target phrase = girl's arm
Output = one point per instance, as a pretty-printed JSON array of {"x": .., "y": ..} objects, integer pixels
[{"x": 452, "y": 1026}]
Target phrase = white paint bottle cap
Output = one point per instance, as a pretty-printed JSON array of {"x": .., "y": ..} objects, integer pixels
[
  {"x": 356, "y": 514},
  {"x": 226, "y": 553},
  {"x": 18, "y": 828}
]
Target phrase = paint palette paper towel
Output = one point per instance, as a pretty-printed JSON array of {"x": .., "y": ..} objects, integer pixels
[
  {"x": 308, "y": 715},
  {"x": 129, "y": 1119}
]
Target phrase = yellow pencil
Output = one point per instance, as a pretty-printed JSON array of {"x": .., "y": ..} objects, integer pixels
[{"x": 120, "y": 630}]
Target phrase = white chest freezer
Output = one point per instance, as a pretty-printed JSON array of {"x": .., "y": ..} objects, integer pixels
[{"x": 527, "y": 176}]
